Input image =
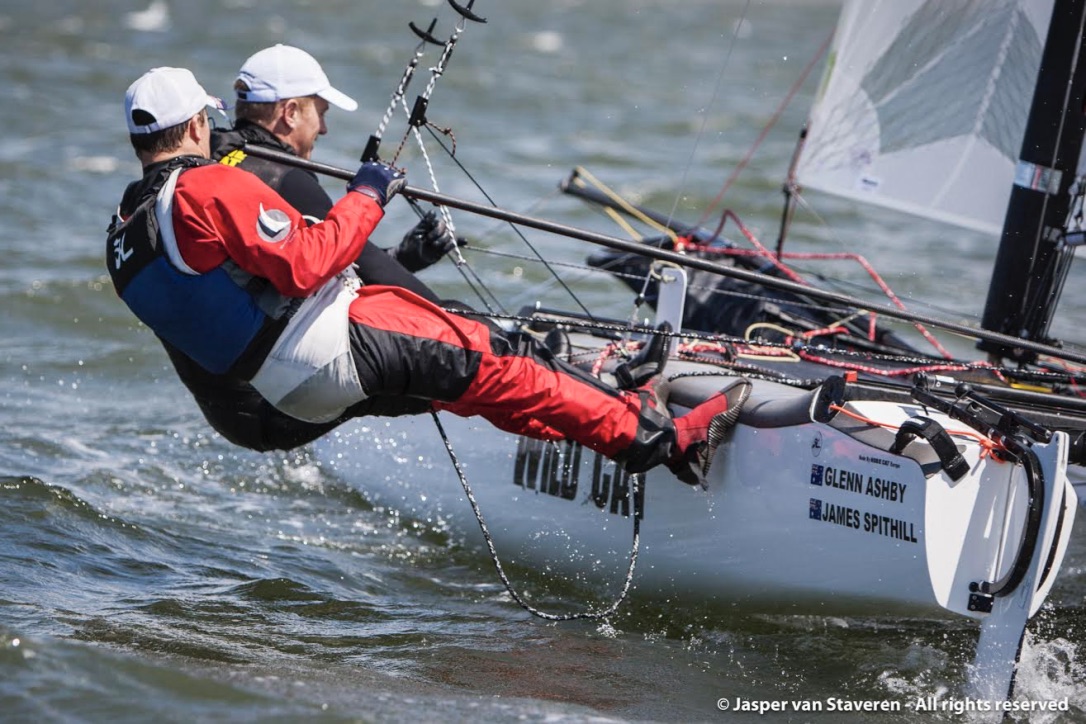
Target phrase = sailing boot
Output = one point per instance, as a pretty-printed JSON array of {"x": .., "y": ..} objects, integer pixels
[
  {"x": 557, "y": 341},
  {"x": 649, "y": 361},
  {"x": 684, "y": 444},
  {"x": 699, "y": 432},
  {"x": 654, "y": 441}
]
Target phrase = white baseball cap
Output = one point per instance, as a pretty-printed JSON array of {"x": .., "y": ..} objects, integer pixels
[
  {"x": 283, "y": 71},
  {"x": 164, "y": 97}
]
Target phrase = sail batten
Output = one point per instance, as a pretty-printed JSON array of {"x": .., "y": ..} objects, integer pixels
[{"x": 924, "y": 105}]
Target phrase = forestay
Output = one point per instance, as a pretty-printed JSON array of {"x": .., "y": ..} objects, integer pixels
[{"x": 924, "y": 104}]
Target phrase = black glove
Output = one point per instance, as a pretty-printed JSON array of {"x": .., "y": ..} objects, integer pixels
[
  {"x": 377, "y": 181},
  {"x": 425, "y": 244}
]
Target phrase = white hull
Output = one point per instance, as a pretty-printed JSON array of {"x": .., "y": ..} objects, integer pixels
[
  {"x": 796, "y": 517},
  {"x": 816, "y": 502}
]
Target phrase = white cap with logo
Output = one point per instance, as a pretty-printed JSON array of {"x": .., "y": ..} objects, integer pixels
[
  {"x": 164, "y": 97},
  {"x": 282, "y": 72}
]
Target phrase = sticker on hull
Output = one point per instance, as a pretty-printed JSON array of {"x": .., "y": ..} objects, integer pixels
[
  {"x": 561, "y": 469},
  {"x": 881, "y": 488},
  {"x": 863, "y": 521}
]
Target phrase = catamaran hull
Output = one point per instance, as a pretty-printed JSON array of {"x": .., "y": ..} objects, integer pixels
[{"x": 798, "y": 516}]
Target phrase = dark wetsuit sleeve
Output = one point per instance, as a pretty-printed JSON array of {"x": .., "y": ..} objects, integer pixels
[
  {"x": 374, "y": 266},
  {"x": 302, "y": 191}
]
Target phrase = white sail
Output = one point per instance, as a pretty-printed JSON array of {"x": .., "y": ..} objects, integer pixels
[{"x": 924, "y": 104}]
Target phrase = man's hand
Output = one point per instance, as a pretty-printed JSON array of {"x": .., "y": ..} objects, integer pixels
[
  {"x": 425, "y": 244},
  {"x": 378, "y": 181}
]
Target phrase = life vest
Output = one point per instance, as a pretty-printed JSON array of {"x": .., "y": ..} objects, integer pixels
[
  {"x": 224, "y": 319},
  {"x": 300, "y": 188},
  {"x": 228, "y": 149}
]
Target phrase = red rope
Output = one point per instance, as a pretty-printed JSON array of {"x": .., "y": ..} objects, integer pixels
[
  {"x": 765, "y": 131},
  {"x": 987, "y": 445},
  {"x": 763, "y": 252},
  {"x": 1072, "y": 370},
  {"x": 741, "y": 166}
]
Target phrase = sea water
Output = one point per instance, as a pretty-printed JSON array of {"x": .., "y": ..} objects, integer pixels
[{"x": 151, "y": 571}]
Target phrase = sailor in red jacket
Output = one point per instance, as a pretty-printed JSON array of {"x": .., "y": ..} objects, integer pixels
[{"x": 228, "y": 274}]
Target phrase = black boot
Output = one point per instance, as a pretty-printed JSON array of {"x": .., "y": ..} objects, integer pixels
[
  {"x": 686, "y": 445},
  {"x": 654, "y": 443},
  {"x": 649, "y": 361}
]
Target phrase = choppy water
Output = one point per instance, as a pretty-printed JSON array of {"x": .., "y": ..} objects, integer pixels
[{"x": 150, "y": 571}]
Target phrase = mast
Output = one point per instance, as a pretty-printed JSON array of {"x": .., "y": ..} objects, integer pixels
[{"x": 1034, "y": 256}]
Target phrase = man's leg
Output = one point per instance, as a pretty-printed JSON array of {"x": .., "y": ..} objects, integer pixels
[{"x": 404, "y": 345}]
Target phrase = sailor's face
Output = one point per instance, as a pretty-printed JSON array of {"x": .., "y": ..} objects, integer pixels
[{"x": 310, "y": 125}]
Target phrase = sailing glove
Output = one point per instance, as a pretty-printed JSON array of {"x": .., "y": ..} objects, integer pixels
[
  {"x": 377, "y": 181},
  {"x": 424, "y": 245}
]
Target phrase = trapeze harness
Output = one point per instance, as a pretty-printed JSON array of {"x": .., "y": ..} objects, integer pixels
[{"x": 295, "y": 352}]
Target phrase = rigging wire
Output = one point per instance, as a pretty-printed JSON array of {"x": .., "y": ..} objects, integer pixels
[
  {"x": 425, "y": 36},
  {"x": 779, "y": 264},
  {"x": 726, "y": 350},
  {"x": 741, "y": 166},
  {"x": 543, "y": 260},
  {"x": 705, "y": 116},
  {"x": 416, "y": 118}
]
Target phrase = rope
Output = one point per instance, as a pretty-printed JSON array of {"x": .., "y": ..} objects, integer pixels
[
  {"x": 729, "y": 349},
  {"x": 635, "y": 485},
  {"x": 761, "y": 251},
  {"x": 730, "y": 293},
  {"x": 765, "y": 131},
  {"x": 464, "y": 268},
  {"x": 401, "y": 89},
  {"x": 987, "y": 445}
]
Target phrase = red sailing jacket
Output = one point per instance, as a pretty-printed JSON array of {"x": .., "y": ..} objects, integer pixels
[{"x": 222, "y": 213}]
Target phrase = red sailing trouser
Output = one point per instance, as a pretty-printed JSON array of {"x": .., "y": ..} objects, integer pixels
[{"x": 405, "y": 346}]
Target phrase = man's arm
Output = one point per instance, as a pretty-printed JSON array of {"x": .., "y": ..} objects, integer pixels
[
  {"x": 222, "y": 212},
  {"x": 301, "y": 190}
]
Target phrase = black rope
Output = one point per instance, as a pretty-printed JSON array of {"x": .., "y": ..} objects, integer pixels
[
  {"x": 476, "y": 287},
  {"x": 620, "y": 330},
  {"x": 595, "y": 615}
]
